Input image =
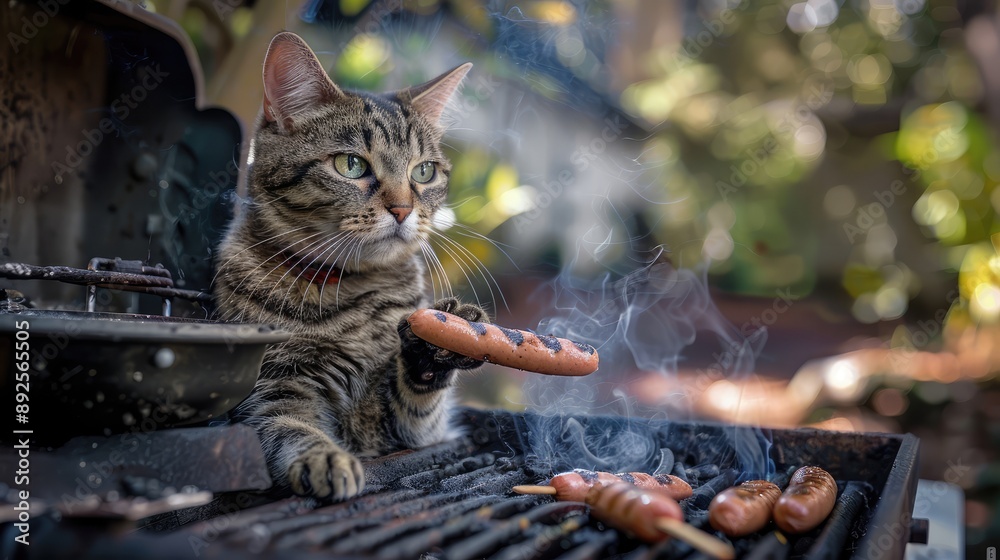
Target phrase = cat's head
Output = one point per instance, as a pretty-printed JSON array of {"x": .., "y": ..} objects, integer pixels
[{"x": 352, "y": 178}]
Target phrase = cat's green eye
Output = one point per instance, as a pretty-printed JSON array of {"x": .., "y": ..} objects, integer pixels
[
  {"x": 423, "y": 172},
  {"x": 350, "y": 165}
]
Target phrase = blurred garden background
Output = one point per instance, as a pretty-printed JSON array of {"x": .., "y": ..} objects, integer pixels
[{"x": 832, "y": 166}]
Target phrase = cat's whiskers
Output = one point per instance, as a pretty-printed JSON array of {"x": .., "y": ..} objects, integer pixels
[
  {"x": 436, "y": 268},
  {"x": 304, "y": 251},
  {"x": 473, "y": 234},
  {"x": 269, "y": 239},
  {"x": 359, "y": 243},
  {"x": 471, "y": 259},
  {"x": 337, "y": 250},
  {"x": 457, "y": 258},
  {"x": 466, "y": 231},
  {"x": 322, "y": 289},
  {"x": 443, "y": 277},
  {"x": 250, "y": 274},
  {"x": 306, "y": 290},
  {"x": 432, "y": 272},
  {"x": 321, "y": 248}
]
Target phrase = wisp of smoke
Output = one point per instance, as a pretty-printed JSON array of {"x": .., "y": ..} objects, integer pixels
[{"x": 640, "y": 323}]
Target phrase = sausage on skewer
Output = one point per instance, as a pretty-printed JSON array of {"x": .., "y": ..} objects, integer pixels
[
  {"x": 651, "y": 516},
  {"x": 807, "y": 501},
  {"x": 743, "y": 509},
  {"x": 572, "y": 486},
  {"x": 506, "y": 347}
]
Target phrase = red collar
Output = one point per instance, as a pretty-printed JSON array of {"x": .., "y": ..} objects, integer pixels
[
  {"x": 328, "y": 275},
  {"x": 313, "y": 274}
]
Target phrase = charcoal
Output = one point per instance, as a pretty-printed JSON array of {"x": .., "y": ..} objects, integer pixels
[
  {"x": 703, "y": 495},
  {"x": 681, "y": 472},
  {"x": 710, "y": 470}
]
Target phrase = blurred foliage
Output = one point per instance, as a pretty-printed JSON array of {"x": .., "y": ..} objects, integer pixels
[{"x": 753, "y": 93}]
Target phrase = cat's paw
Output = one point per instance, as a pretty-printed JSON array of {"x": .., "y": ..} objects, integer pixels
[
  {"x": 432, "y": 359},
  {"x": 468, "y": 311},
  {"x": 326, "y": 471}
]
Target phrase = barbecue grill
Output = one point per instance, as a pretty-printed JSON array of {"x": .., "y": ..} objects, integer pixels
[
  {"x": 127, "y": 466},
  {"x": 454, "y": 500}
]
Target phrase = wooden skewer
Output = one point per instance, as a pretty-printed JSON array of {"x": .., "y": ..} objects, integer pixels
[
  {"x": 696, "y": 538},
  {"x": 539, "y": 490},
  {"x": 680, "y": 530}
]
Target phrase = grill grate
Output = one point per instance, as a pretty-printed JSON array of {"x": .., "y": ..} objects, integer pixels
[{"x": 454, "y": 501}]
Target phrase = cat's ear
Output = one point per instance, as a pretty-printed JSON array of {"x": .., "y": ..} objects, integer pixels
[
  {"x": 294, "y": 80},
  {"x": 432, "y": 97}
]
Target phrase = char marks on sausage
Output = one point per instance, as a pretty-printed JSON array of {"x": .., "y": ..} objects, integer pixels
[
  {"x": 512, "y": 335},
  {"x": 588, "y": 476},
  {"x": 479, "y": 328},
  {"x": 550, "y": 342}
]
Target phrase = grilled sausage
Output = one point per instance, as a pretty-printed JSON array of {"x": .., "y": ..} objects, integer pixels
[
  {"x": 809, "y": 498},
  {"x": 506, "y": 347},
  {"x": 623, "y": 506},
  {"x": 667, "y": 484},
  {"x": 574, "y": 485},
  {"x": 743, "y": 509}
]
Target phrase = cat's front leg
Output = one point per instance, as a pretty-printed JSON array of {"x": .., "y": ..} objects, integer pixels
[{"x": 299, "y": 453}]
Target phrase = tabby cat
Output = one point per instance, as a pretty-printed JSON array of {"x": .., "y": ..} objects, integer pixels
[{"x": 342, "y": 189}]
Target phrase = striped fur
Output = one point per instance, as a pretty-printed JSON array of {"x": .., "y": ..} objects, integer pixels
[{"x": 352, "y": 381}]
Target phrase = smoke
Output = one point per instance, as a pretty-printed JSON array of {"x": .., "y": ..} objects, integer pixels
[{"x": 640, "y": 322}]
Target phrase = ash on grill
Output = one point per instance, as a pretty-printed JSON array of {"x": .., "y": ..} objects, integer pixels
[{"x": 454, "y": 501}]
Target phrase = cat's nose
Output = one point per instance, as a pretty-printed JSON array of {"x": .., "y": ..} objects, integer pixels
[{"x": 399, "y": 212}]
